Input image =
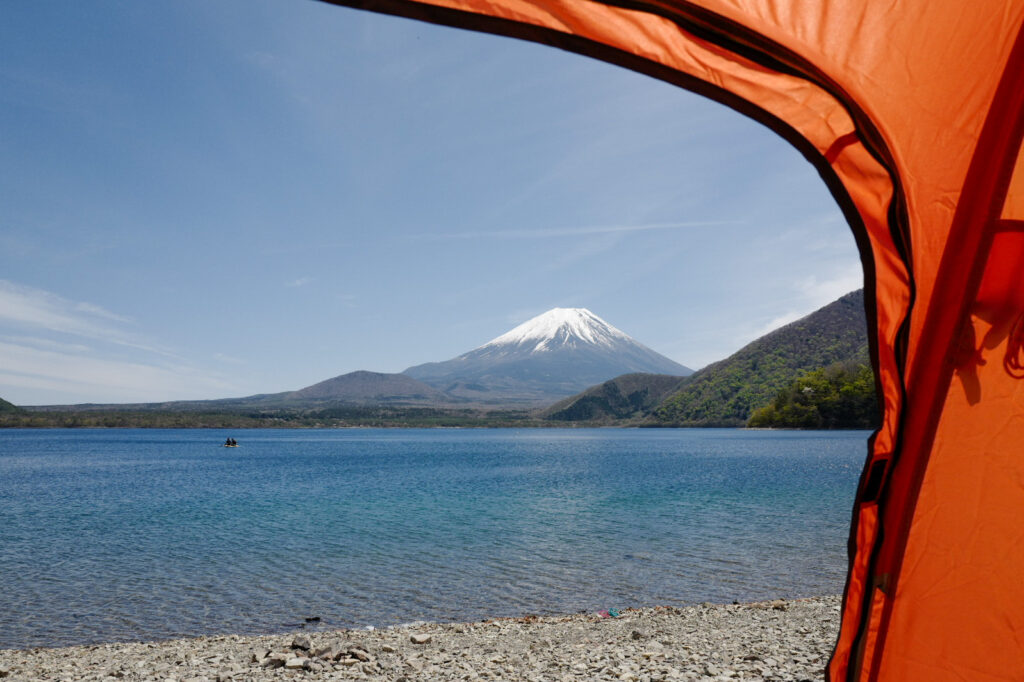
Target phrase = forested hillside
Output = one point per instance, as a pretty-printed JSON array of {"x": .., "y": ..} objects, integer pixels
[
  {"x": 630, "y": 396},
  {"x": 726, "y": 393},
  {"x": 836, "y": 397},
  {"x": 6, "y": 407}
]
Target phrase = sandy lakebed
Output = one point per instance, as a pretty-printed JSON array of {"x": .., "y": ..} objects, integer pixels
[{"x": 782, "y": 640}]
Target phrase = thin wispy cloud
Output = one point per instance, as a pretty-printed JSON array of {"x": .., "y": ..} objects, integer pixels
[
  {"x": 91, "y": 309},
  {"x": 822, "y": 290},
  {"x": 75, "y": 374},
  {"x": 618, "y": 193},
  {"x": 550, "y": 233},
  {"x": 27, "y": 308},
  {"x": 813, "y": 293},
  {"x": 229, "y": 359},
  {"x": 582, "y": 250},
  {"x": 46, "y": 344},
  {"x": 774, "y": 323},
  {"x": 35, "y": 308},
  {"x": 347, "y": 300},
  {"x": 53, "y": 345}
]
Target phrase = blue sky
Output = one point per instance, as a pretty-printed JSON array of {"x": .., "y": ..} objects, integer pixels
[{"x": 214, "y": 198}]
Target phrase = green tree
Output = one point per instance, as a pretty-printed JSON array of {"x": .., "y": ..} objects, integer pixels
[{"x": 841, "y": 396}]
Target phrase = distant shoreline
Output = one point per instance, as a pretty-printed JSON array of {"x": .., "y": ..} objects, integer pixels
[
  {"x": 327, "y": 427},
  {"x": 789, "y": 639},
  {"x": 338, "y": 418}
]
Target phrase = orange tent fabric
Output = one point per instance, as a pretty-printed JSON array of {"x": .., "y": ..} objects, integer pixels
[{"x": 913, "y": 113}]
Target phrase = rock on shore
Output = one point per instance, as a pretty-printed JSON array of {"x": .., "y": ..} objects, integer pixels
[{"x": 779, "y": 641}]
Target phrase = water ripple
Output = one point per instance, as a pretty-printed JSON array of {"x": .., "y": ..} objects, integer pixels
[{"x": 126, "y": 535}]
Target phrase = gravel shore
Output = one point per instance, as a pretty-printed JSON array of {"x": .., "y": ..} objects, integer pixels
[{"x": 778, "y": 640}]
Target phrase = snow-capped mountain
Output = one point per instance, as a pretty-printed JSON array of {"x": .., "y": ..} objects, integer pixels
[
  {"x": 559, "y": 328},
  {"x": 551, "y": 356}
]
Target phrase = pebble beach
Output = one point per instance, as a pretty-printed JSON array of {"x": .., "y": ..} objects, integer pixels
[{"x": 782, "y": 640}]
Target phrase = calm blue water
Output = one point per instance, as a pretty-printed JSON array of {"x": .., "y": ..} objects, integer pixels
[{"x": 146, "y": 534}]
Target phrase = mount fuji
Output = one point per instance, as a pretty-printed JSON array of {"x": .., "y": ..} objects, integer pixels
[{"x": 549, "y": 357}]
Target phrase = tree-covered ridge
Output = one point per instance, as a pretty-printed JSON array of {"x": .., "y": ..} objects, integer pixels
[
  {"x": 6, "y": 407},
  {"x": 727, "y": 392},
  {"x": 836, "y": 397},
  {"x": 628, "y": 397}
]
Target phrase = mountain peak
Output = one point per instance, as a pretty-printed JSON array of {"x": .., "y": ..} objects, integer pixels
[
  {"x": 560, "y": 327},
  {"x": 551, "y": 356}
]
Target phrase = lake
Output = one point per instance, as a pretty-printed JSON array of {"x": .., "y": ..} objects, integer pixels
[{"x": 111, "y": 535}]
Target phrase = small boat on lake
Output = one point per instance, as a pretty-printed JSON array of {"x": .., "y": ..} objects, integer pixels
[{"x": 231, "y": 443}]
